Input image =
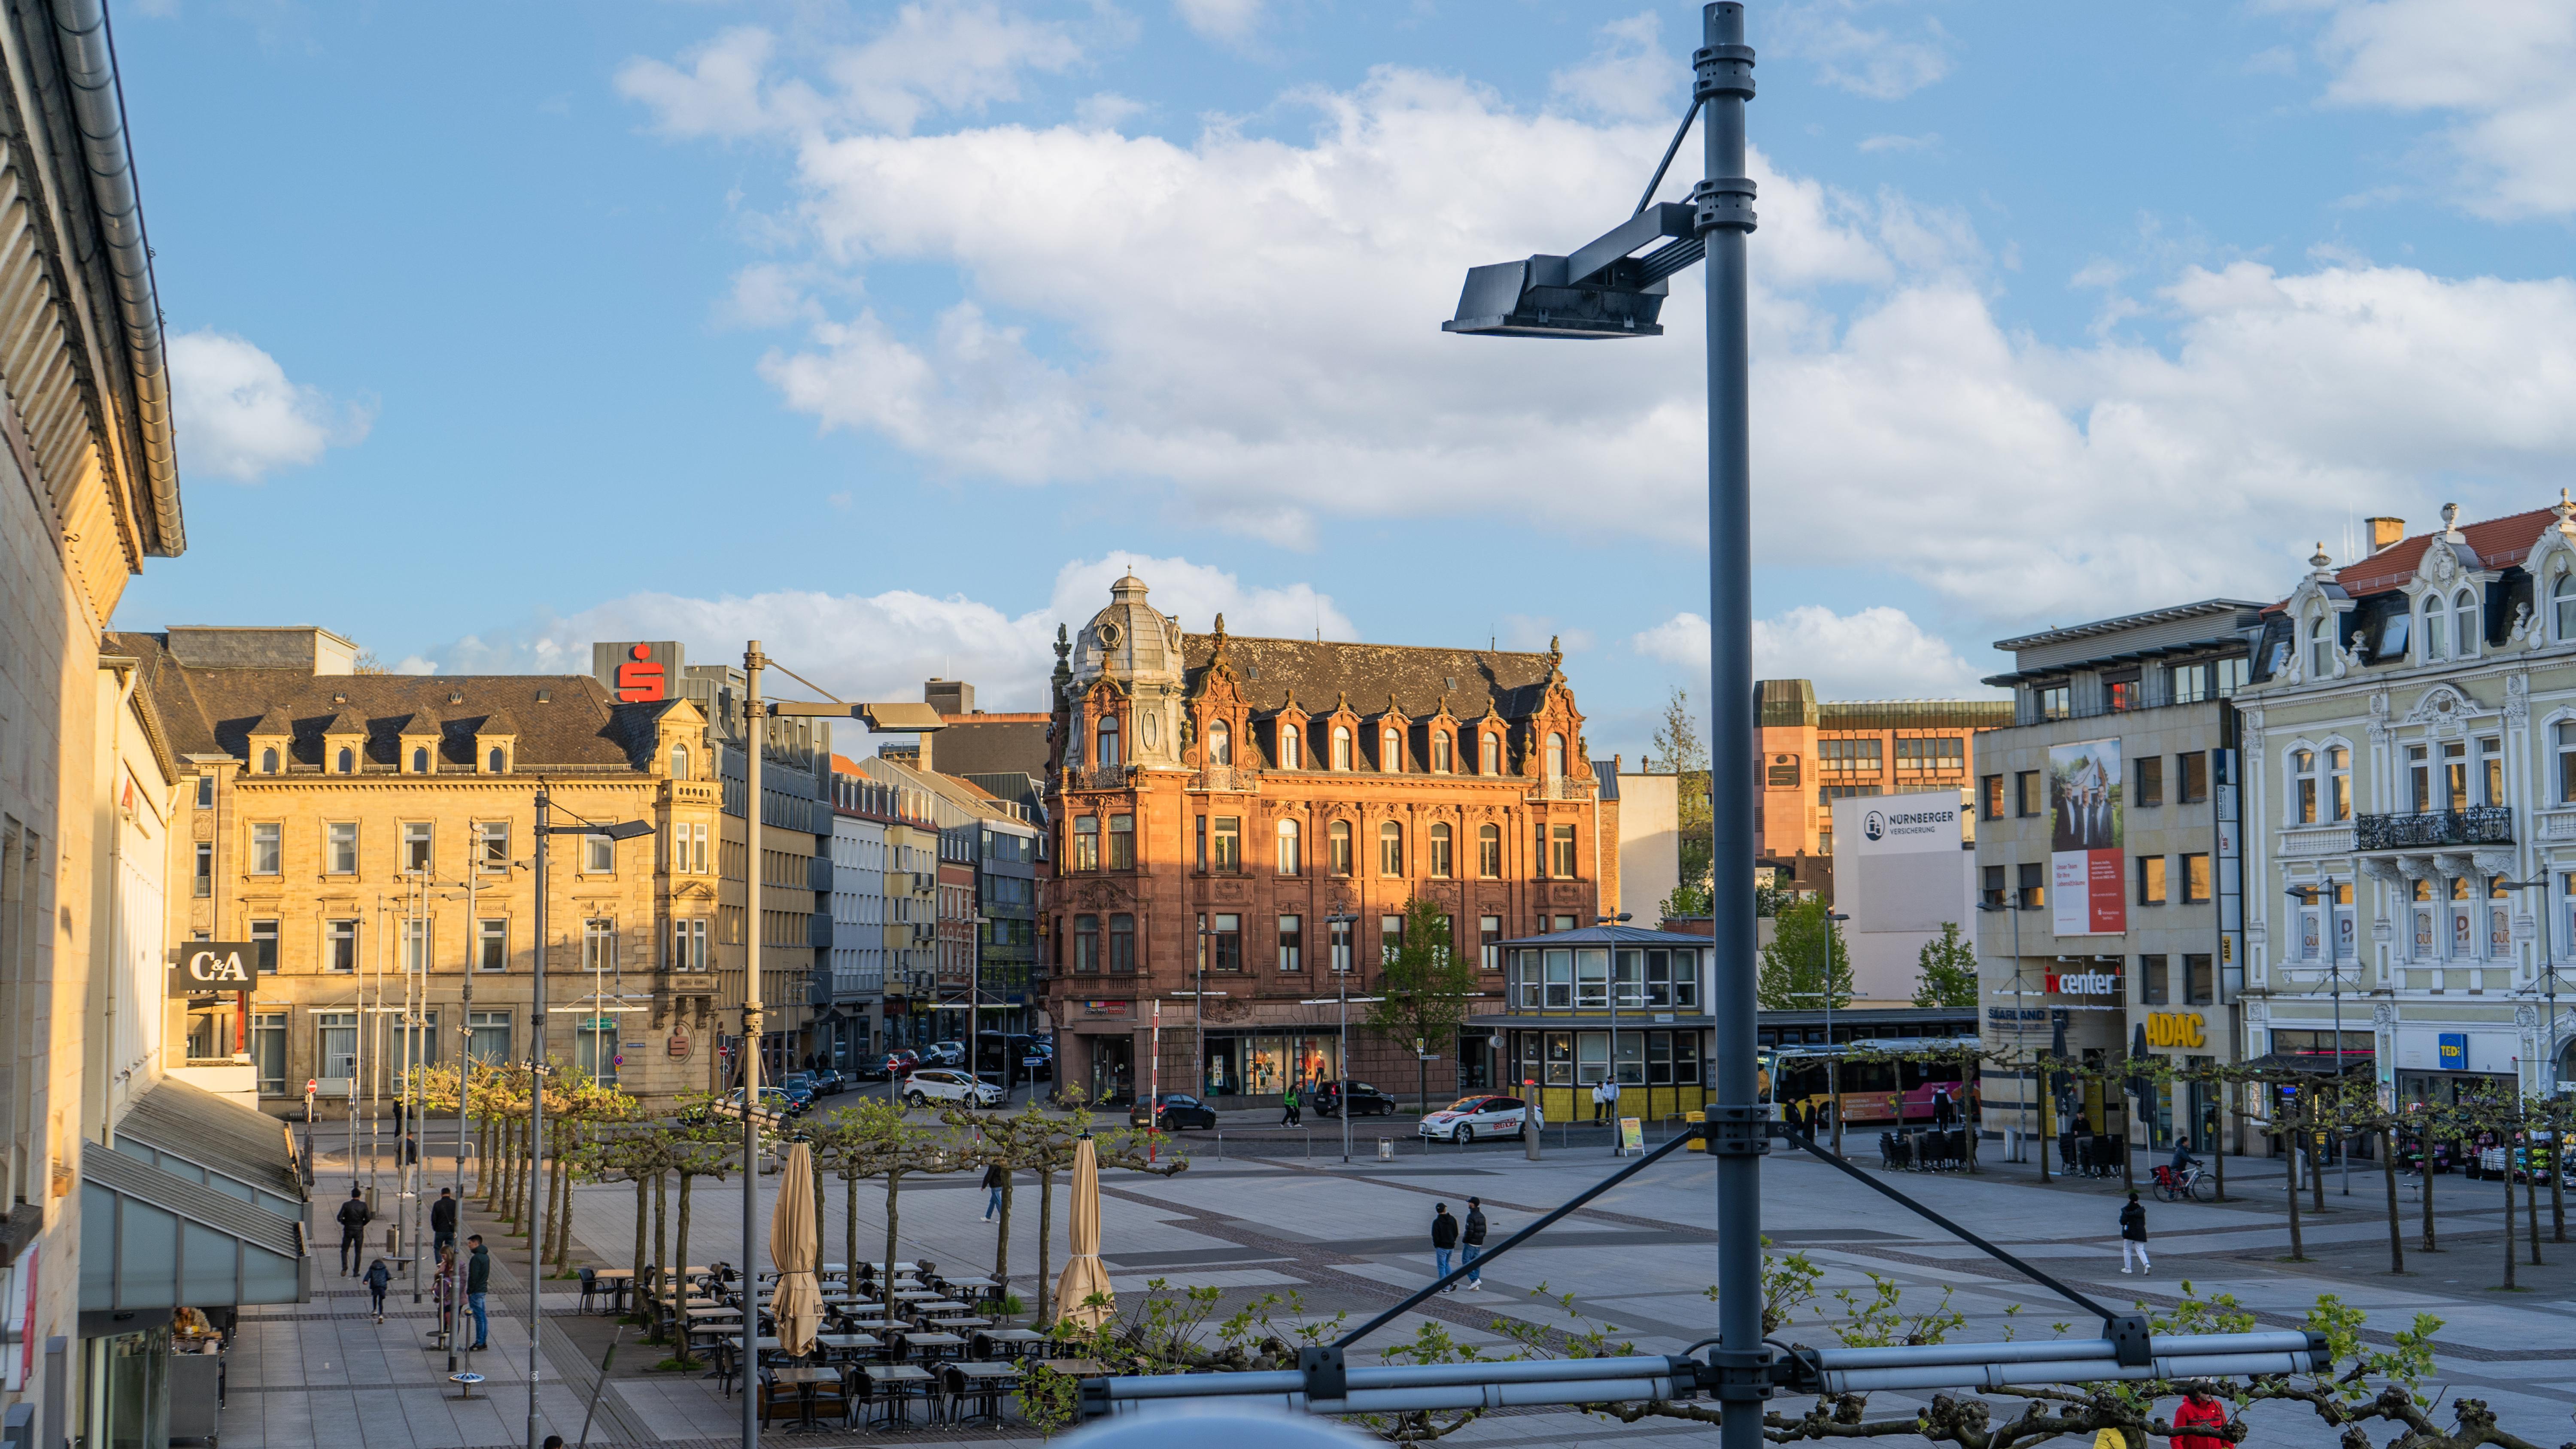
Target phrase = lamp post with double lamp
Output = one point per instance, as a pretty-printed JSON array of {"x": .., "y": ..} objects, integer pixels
[
  {"x": 1603, "y": 291},
  {"x": 2021, "y": 1023},
  {"x": 1342, "y": 983},
  {"x": 2322, "y": 895},
  {"x": 2548, "y": 984},
  {"x": 538, "y": 1069},
  {"x": 1833, "y": 1049},
  {"x": 1610, "y": 1068}
]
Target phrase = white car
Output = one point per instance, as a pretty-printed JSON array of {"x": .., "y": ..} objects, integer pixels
[
  {"x": 1470, "y": 1118},
  {"x": 945, "y": 1084}
]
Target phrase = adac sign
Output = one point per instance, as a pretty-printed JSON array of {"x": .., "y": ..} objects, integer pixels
[
  {"x": 208, "y": 967},
  {"x": 2176, "y": 1029}
]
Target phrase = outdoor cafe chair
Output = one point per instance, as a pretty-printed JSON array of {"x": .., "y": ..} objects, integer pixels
[{"x": 590, "y": 1286}]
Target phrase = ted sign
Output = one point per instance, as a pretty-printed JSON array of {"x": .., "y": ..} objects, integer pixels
[{"x": 209, "y": 967}]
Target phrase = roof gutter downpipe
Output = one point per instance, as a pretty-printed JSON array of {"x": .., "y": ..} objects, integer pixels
[{"x": 98, "y": 105}]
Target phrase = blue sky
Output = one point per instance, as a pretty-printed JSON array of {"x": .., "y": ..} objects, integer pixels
[{"x": 891, "y": 333}]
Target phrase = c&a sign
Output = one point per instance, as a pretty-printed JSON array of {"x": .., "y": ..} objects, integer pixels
[
  {"x": 206, "y": 968},
  {"x": 2176, "y": 1029}
]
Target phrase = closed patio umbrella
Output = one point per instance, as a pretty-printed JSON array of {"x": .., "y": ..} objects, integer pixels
[
  {"x": 1083, "y": 1275},
  {"x": 796, "y": 1304}
]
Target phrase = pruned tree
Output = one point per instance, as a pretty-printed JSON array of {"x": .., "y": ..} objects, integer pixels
[
  {"x": 1424, "y": 990},
  {"x": 1805, "y": 962},
  {"x": 1946, "y": 971}
]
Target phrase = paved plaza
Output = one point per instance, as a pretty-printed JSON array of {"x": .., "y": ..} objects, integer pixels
[{"x": 1271, "y": 1218}]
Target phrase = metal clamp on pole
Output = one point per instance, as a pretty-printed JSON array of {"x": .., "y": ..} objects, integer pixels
[
  {"x": 1736, "y": 1376},
  {"x": 1326, "y": 1371},
  {"x": 1723, "y": 203},
  {"x": 2132, "y": 1342},
  {"x": 1736, "y": 1131},
  {"x": 1721, "y": 70}
]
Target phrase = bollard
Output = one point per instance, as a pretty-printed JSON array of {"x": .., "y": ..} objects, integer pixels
[
  {"x": 1694, "y": 1119},
  {"x": 1386, "y": 1149},
  {"x": 1529, "y": 1141}
]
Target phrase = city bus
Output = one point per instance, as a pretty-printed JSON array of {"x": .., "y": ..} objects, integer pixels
[{"x": 1874, "y": 1089}]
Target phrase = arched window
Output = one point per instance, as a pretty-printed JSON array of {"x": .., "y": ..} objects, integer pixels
[
  {"x": 1291, "y": 859},
  {"x": 1440, "y": 764},
  {"x": 2437, "y": 630},
  {"x": 1390, "y": 849},
  {"x": 2338, "y": 783},
  {"x": 348, "y": 762},
  {"x": 2303, "y": 787},
  {"x": 1292, "y": 748},
  {"x": 1440, "y": 851},
  {"x": 2464, "y": 619},
  {"x": 268, "y": 761},
  {"x": 679, "y": 762},
  {"x": 1390, "y": 749},
  {"x": 1338, "y": 841},
  {"x": 1108, "y": 734},
  {"x": 1489, "y": 852},
  {"x": 420, "y": 761},
  {"x": 1220, "y": 744},
  {"x": 2562, "y": 598},
  {"x": 1341, "y": 748},
  {"x": 1556, "y": 757},
  {"x": 1489, "y": 754},
  {"x": 2320, "y": 646},
  {"x": 498, "y": 763}
]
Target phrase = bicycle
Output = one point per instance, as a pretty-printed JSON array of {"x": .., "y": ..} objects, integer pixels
[{"x": 2170, "y": 1188}]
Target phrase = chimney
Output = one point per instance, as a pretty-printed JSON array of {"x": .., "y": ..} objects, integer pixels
[{"x": 2385, "y": 531}]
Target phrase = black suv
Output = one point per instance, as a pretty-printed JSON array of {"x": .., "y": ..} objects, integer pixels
[
  {"x": 1366, "y": 1101},
  {"x": 1177, "y": 1113}
]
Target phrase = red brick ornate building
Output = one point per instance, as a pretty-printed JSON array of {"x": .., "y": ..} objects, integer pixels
[{"x": 1215, "y": 800}]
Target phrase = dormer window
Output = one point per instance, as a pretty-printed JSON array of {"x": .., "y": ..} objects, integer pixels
[
  {"x": 1341, "y": 748},
  {"x": 1489, "y": 755},
  {"x": 679, "y": 762},
  {"x": 2437, "y": 630},
  {"x": 1109, "y": 744},
  {"x": 1292, "y": 748},
  {"x": 347, "y": 761},
  {"x": 2321, "y": 646},
  {"x": 1440, "y": 763},
  {"x": 1556, "y": 757},
  {"x": 2562, "y": 602},
  {"x": 268, "y": 760},
  {"x": 1220, "y": 744},
  {"x": 498, "y": 761},
  {"x": 1390, "y": 750},
  {"x": 2464, "y": 622},
  {"x": 420, "y": 760}
]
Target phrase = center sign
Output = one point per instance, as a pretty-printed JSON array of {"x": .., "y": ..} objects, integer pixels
[{"x": 206, "y": 968}]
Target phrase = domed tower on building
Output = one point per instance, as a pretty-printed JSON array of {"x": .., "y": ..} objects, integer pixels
[{"x": 1123, "y": 709}]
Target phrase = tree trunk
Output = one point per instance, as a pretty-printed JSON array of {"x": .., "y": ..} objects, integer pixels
[
  {"x": 850, "y": 1227},
  {"x": 678, "y": 1281},
  {"x": 2316, "y": 1159},
  {"x": 2039, "y": 1088},
  {"x": 661, "y": 1248},
  {"x": 2557, "y": 1183},
  {"x": 894, "y": 1186},
  {"x": 2396, "y": 1221},
  {"x": 2530, "y": 1189},
  {"x": 1046, "y": 1234},
  {"x": 819, "y": 1217},
  {"x": 568, "y": 1142},
  {"x": 2229, "y": 1126},
  {"x": 643, "y": 1220},
  {"x": 2424, "y": 1145},
  {"x": 2508, "y": 1219},
  {"x": 2298, "y": 1247},
  {"x": 1002, "y": 1239}
]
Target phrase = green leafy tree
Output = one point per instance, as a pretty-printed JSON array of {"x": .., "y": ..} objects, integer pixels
[
  {"x": 1424, "y": 989},
  {"x": 1805, "y": 960},
  {"x": 1679, "y": 751},
  {"x": 1946, "y": 971}
]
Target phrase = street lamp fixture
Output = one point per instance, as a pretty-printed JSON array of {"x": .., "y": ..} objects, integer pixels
[
  {"x": 1342, "y": 983},
  {"x": 1610, "y": 1069},
  {"x": 2021, "y": 1022}
]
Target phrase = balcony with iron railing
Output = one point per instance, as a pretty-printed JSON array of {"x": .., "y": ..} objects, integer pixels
[
  {"x": 2470, "y": 825},
  {"x": 1226, "y": 777}
]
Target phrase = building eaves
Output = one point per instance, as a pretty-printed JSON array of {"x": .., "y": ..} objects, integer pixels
[{"x": 2127, "y": 621}]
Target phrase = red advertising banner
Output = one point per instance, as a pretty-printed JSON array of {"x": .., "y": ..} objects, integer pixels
[{"x": 2088, "y": 886}]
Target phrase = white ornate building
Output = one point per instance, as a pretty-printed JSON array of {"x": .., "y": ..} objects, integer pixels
[{"x": 2410, "y": 805}]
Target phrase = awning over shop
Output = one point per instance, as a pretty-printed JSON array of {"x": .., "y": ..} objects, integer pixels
[
  {"x": 1594, "y": 1021},
  {"x": 199, "y": 1202},
  {"x": 2320, "y": 1063},
  {"x": 151, "y": 1240}
]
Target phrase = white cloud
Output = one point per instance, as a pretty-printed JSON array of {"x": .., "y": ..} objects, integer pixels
[
  {"x": 1628, "y": 77},
  {"x": 1230, "y": 22},
  {"x": 1875, "y": 653},
  {"x": 238, "y": 415},
  {"x": 936, "y": 56},
  {"x": 1877, "y": 62},
  {"x": 1106, "y": 111},
  {"x": 2506, "y": 69},
  {"x": 882, "y": 646},
  {"x": 1248, "y": 325},
  {"x": 1928, "y": 141}
]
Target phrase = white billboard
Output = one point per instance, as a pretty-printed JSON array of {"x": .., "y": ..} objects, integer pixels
[{"x": 1901, "y": 869}]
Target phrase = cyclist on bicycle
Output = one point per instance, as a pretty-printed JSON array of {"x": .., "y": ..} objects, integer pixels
[{"x": 2183, "y": 1161}]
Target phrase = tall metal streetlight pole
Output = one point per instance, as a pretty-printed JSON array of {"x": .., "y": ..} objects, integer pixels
[
  {"x": 1342, "y": 981},
  {"x": 1618, "y": 1144},
  {"x": 2322, "y": 895},
  {"x": 1601, "y": 290},
  {"x": 2549, "y": 971},
  {"x": 2021, "y": 1023}
]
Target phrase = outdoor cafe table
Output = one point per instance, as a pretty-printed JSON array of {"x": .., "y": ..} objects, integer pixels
[
  {"x": 850, "y": 1342},
  {"x": 938, "y": 1344},
  {"x": 972, "y": 1283},
  {"x": 959, "y": 1323},
  {"x": 899, "y": 1406},
  {"x": 617, "y": 1281},
  {"x": 985, "y": 1384},
  {"x": 918, "y": 1295},
  {"x": 804, "y": 1381},
  {"x": 1020, "y": 1342}
]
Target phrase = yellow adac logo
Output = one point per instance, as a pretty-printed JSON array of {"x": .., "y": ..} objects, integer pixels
[{"x": 2175, "y": 1029}]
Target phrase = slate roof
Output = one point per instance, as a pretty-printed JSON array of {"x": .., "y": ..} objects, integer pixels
[
  {"x": 214, "y": 711},
  {"x": 1319, "y": 672}
]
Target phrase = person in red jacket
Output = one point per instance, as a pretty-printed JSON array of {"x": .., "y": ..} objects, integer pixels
[{"x": 2199, "y": 1409}]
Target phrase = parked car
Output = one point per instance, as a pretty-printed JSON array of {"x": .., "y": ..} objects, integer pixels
[
  {"x": 1176, "y": 1113},
  {"x": 799, "y": 1085},
  {"x": 777, "y": 1102},
  {"x": 829, "y": 1082},
  {"x": 1469, "y": 1118},
  {"x": 1366, "y": 1101},
  {"x": 886, "y": 1066},
  {"x": 946, "y": 1084},
  {"x": 944, "y": 1054}
]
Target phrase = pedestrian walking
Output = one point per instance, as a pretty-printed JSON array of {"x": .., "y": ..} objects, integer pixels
[
  {"x": 354, "y": 1218},
  {"x": 442, "y": 1221},
  {"x": 994, "y": 1177},
  {"x": 1471, "y": 1242},
  {"x": 1596, "y": 1104},
  {"x": 1288, "y": 1106},
  {"x": 1944, "y": 1113},
  {"x": 2133, "y": 1235},
  {"x": 2199, "y": 1409},
  {"x": 1444, "y": 1240},
  {"x": 478, "y": 1281},
  {"x": 1610, "y": 1100},
  {"x": 379, "y": 1278},
  {"x": 442, "y": 1290}
]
